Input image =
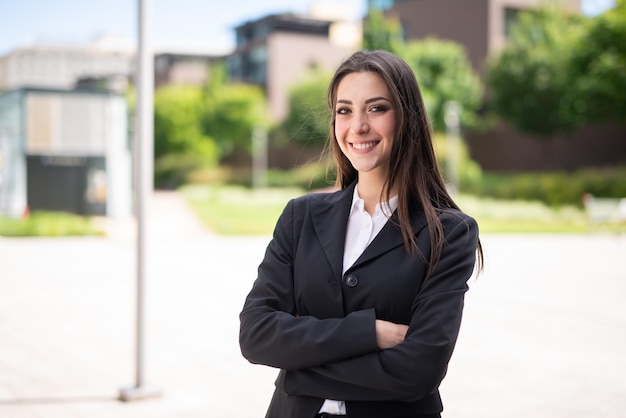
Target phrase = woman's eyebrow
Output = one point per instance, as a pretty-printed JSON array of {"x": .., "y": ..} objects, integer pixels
[
  {"x": 375, "y": 99},
  {"x": 368, "y": 101}
]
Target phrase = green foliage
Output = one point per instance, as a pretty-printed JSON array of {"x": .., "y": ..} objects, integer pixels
[
  {"x": 553, "y": 188},
  {"x": 598, "y": 68},
  {"x": 516, "y": 216},
  {"x": 239, "y": 211},
  {"x": 177, "y": 113},
  {"x": 195, "y": 127},
  {"x": 444, "y": 74},
  {"x": 48, "y": 224},
  {"x": 180, "y": 146},
  {"x": 231, "y": 112},
  {"x": 381, "y": 33},
  {"x": 235, "y": 210},
  {"x": 441, "y": 67},
  {"x": 470, "y": 173},
  {"x": 172, "y": 170},
  {"x": 529, "y": 81},
  {"x": 308, "y": 118},
  {"x": 218, "y": 77},
  {"x": 313, "y": 176},
  {"x": 561, "y": 71}
]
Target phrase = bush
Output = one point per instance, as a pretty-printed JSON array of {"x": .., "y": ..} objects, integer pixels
[
  {"x": 444, "y": 74},
  {"x": 312, "y": 176},
  {"x": 554, "y": 188},
  {"x": 470, "y": 173},
  {"x": 321, "y": 174},
  {"x": 173, "y": 170},
  {"x": 48, "y": 224}
]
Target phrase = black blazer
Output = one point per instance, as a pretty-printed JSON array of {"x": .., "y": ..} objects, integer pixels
[{"x": 318, "y": 325}]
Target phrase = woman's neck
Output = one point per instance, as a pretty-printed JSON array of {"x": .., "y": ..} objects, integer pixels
[{"x": 370, "y": 189}]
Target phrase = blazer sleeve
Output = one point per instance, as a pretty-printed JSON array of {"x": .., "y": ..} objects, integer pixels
[
  {"x": 271, "y": 331},
  {"x": 414, "y": 368}
]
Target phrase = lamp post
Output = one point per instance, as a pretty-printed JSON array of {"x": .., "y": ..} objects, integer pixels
[
  {"x": 452, "y": 118},
  {"x": 143, "y": 161},
  {"x": 259, "y": 158}
]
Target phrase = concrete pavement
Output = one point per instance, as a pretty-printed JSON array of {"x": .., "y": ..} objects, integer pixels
[{"x": 544, "y": 333}]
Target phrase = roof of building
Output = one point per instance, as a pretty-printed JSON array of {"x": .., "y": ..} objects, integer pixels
[{"x": 288, "y": 22}]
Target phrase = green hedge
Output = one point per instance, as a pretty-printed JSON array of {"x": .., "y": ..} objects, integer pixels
[
  {"x": 49, "y": 224},
  {"x": 553, "y": 188}
]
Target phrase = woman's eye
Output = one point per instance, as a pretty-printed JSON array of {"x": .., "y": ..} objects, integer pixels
[
  {"x": 378, "y": 108},
  {"x": 343, "y": 111}
]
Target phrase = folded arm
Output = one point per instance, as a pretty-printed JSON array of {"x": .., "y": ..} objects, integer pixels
[
  {"x": 271, "y": 330},
  {"x": 415, "y": 367}
]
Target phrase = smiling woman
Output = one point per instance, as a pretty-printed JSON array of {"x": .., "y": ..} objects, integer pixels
[
  {"x": 359, "y": 298},
  {"x": 364, "y": 127}
]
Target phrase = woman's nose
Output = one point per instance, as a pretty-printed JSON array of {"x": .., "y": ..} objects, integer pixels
[{"x": 360, "y": 125}]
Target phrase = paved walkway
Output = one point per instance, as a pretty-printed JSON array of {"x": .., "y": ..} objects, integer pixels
[{"x": 544, "y": 333}]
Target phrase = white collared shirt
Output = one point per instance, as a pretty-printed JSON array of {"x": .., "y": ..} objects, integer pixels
[{"x": 361, "y": 231}]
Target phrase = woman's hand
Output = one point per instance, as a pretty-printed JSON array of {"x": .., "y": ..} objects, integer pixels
[{"x": 389, "y": 334}]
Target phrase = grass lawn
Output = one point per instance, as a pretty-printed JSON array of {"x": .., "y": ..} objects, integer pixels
[
  {"x": 497, "y": 216},
  {"x": 239, "y": 211},
  {"x": 48, "y": 224},
  {"x": 233, "y": 210}
]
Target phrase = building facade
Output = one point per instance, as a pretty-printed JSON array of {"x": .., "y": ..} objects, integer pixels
[
  {"x": 64, "y": 150},
  {"x": 481, "y": 26},
  {"x": 61, "y": 66},
  {"x": 274, "y": 52},
  {"x": 187, "y": 69}
]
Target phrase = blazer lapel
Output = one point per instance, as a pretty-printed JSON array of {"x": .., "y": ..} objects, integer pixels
[
  {"x": 330, "y": 219},
  {"x": 390, "y": 237}
]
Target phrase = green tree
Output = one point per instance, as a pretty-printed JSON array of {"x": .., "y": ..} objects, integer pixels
[
  {"x": 444, "y": 73},
  {"x": 380, "y": 32},
  {"x": 308, "y": 118},
  {"x": 177, "y": 115},
  {"x": 530, "y": 81},
  {"x": 598, "y": 68},
  {"x": 232, "y": 111},
  {"x": 180, "y": 146}
]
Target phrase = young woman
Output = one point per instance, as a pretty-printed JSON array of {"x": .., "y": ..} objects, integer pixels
[{"x": 359, "y": 297}]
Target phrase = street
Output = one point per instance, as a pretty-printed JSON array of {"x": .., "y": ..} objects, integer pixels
[{"x": 544, "y": 331}]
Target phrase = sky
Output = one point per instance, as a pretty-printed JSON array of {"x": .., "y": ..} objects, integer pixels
[{"x": 175, "y": 25}]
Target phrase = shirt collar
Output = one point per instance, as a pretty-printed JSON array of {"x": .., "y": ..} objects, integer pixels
[{"x": 385, "y": 208}]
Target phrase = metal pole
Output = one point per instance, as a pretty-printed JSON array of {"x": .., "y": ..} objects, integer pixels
[
  {"x": 259, "y": 158},
  {"x": 143, "y": 157},
  {"x": 452, "y": 118}
]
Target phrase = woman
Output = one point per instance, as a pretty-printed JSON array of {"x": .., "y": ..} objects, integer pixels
[{"x": 359, "y": 297}]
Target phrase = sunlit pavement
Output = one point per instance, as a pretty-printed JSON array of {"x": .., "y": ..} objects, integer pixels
[{"x": 544, "y": 333}]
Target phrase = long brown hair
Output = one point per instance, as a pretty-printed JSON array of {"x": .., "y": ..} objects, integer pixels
[{"x": 413, "y": 168}]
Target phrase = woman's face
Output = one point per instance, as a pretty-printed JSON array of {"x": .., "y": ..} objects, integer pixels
[{"x": 365, "y": 122}]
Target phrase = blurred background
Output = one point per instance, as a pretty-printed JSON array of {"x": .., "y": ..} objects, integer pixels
[
  {"x": 536, "y": 89},
  {"x": 528, "y": 107}
]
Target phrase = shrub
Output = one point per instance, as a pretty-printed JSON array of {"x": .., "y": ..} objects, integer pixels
[
  {"x": 553, "y": 188},
  {"x": 48, "y": 224}
]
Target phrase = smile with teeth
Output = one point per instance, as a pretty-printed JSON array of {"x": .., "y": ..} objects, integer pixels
[{"x": 363, "y": 145}]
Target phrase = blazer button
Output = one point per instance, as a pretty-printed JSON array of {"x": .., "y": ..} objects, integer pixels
[{"x": 351, "y": 280}]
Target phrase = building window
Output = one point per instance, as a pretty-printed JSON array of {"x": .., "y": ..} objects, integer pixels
[
  {"x": 258, "y": 66},
  {"x": 261, "y": 32},
  {"x": 511, "y": 17},
  {"x": 244, "y": 36},
  {"x": 235, "y": 67}
]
